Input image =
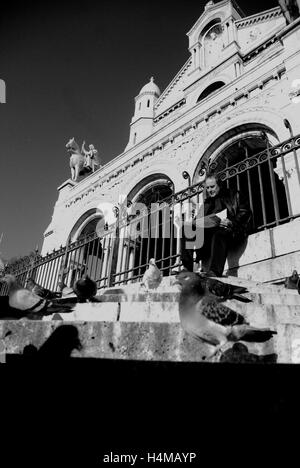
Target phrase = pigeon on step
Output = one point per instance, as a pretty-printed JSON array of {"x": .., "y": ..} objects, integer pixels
[
  {"x": 292, "y": 282},
  {"x": 27, "y": 302},
  {"x": 205, "y": 317},
  {"x": 42, "y": 292},
  {"x": 225, "y": 290},
  {"x": 152, "y": 277},
  {"x": 23, "y": 299},
  {"x": 85, "y": 289}
]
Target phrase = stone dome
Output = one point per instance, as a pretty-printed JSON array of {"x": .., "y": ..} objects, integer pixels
[{"x": 150, "y": 87}]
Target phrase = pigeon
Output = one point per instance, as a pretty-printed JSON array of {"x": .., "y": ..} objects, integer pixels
[
  {"x": 27, "y": 302},
  {"x": 85, "y": 289},
  {"x": 40, "y": 291},
  {"x": 292, "y": 282},
  {"x": 23, "y": 299},
  {"x": 225, "y": 290},
  {"x": 205, "y": 317},
  {"x": 152, "y": 277}
]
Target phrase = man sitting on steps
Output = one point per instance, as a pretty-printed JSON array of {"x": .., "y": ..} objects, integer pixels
[{"x": 219, "y": 233}]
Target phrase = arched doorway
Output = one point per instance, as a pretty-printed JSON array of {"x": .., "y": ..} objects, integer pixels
[
  {"x": 258, "y": 180},
  {"x": 149, "y": 231},
  {"x": 86, "y": 251}
]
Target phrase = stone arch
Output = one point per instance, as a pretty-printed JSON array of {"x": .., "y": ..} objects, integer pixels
[
  {"x": 212, "y": 42},
  {"x": 149, "y": 227},
  {"x": 162, "y": 167},
  {"x": 82, "y": 222},
  {"x": 229, "y": 137},
  {"x": 87, "y": 256},
  {"x": 154, "y": 180},
  {"x": 216, "y": 18},
  {"x": 263, "y": 118},
  {"x": 210, "y": 22},
  {"x": 262, "y": 185}
]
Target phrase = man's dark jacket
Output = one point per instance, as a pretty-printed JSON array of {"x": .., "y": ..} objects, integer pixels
[{"x": 238, "y": 211}]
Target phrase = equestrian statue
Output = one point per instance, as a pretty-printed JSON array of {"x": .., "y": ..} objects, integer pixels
[{"x": 82, "y": 162}]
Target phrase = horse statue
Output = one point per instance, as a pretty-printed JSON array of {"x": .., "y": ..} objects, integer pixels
[{"x": 77, "y": 159}]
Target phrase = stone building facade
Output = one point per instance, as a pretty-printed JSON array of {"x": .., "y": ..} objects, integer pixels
[{"x": 228, "y": 102}]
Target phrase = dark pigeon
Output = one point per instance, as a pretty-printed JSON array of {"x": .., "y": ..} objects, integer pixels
[
  {"x": 226, "y": 290},
  {"x": 292, "y": 282},
  {"x": 27, "y": 303},
  {"x": 85, "y": 289},
  {"x": 205, "y": 317},
  {"x": 42, "y": 292}
]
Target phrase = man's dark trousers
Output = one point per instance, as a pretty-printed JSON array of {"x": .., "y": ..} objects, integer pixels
[{"x": 215, "y": 249}]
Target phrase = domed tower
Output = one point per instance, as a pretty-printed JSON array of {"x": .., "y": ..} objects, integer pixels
[{"x": 142, "y": 121}]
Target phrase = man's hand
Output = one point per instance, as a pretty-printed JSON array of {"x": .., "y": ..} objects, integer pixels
[{"x": 225, "y": 223}]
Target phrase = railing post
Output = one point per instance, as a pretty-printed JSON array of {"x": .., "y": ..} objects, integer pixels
[
  {"x": 289, "y": 127},
  {"x": 272, "y": 178},
  {"x": 291, "y": 167},
  {"x": 64, "y": 263},
  {"x": 114, "y": 249},
  {"x": 29, "y": 272}
]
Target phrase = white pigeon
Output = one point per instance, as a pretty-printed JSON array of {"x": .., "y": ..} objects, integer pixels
[
  {"x": 23, "y": 299},
  {"x": 152, "y": 277}
]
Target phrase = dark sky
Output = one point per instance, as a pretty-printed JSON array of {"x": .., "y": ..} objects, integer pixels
[{"x": 73, "y": 69}]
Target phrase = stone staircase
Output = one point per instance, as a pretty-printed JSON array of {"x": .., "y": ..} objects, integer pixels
[{"x": 129, "y": 322}]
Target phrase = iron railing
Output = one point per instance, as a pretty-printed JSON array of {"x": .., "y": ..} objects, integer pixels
[{"x": 121, "y": 253}]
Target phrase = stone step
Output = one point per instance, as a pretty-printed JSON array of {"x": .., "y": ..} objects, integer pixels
[
  {"x": 258, "y": 298},
  {"x": 274, "y": 298},
  {"x": 167, "y": 286},
  {"x": 173, "y": 296},
  {"x": 141, "y": 341},
  {"x": 254, "y": 286},
  {"x": 168, "y": 312},
  {"x": 268, "y": 314}
]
